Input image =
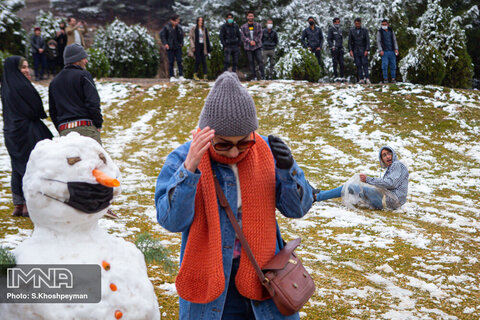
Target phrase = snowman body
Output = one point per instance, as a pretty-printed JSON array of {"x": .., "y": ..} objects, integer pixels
[{"x": 65, "y": 235}]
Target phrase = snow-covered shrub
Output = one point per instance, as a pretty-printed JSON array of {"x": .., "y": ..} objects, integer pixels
[
  {"x": 15, "y": 5},
  {"x": 298, "y": 64},
  {"x": 48, "y": 23},
  {"x": 424, "y": 65},
  {"x": 215, "y": 62},
  {"x": 12, "y": 35},
  {"x": 441, "y": 35},
  {"x": 7, "y": 260},
  {"x": 98, "y": 64},
  {"x": 130, "y": 50}
]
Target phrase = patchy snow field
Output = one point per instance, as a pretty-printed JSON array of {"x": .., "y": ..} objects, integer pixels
[{"x": 419, "y": 262}]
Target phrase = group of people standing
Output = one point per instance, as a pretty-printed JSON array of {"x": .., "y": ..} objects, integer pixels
[
  {"x": 358, "y": 47},
  {"x": 260, "y": 43},
  {"x": 74, "y": 106},
  {"x": 47, "y": 53}
]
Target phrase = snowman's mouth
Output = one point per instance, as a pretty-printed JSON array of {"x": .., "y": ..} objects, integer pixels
[{"x": 86, "y": 197}]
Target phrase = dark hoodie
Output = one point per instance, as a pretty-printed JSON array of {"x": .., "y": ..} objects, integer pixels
[{"x": 395, "y": 180}]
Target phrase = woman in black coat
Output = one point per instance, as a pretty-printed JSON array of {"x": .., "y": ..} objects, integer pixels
[{"x": 22, "y": 124}]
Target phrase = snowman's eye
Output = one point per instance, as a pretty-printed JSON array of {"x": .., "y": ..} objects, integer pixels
[
  {"x": 102, "y": 157},
  {"x": 72, "y": 160}
]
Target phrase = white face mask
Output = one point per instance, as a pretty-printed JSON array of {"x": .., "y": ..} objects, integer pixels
[
  {"x": 269, "y": 26},
  {"x": 384, "y": 27}
]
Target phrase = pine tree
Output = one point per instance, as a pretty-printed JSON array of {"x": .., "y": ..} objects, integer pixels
[
  {"x": 441, "y": 38},
  {"x": 13, "y": 37}
]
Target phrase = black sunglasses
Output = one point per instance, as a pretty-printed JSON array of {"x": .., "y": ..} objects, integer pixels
[{"x": 227, "y": 145}]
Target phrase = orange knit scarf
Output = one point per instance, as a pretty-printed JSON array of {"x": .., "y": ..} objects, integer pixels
[{"x": 201, "y": 276}]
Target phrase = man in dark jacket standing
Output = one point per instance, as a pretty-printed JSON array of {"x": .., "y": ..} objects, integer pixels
[
  {"x": 38, "y": 46},
  {"x": 74, "y": 101},
  {"x": 335, "y": 43},
  {"x": 359, "y": 46},
  {"x": 312, "y": 39},
  {"x": 172, "y": 38},
  {"x": 230, "y": 38},
  {"x": 388, "y": 48},
  {"x": 252, "y": 43},
  {"x": 269, "y": 43}
]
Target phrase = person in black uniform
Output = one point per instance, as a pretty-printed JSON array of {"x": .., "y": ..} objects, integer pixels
[{"x": 335, "y": 43}]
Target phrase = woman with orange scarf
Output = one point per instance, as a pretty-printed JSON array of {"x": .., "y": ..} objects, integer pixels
[{"x": 257, "y": 174}]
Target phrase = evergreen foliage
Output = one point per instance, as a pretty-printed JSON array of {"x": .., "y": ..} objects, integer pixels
[
  {"x": 441, "y": 45},
  {"x": 48, "y": 23},
  {"x": 12, "y": 35},
  {"x": 3, "y": 56},
  {"x": 7, "y": 260},
  {"x": 298, "y": 64},
  {"x": 154, "y": 251},
  {"x": 131, "y": 51},
  {"x": 424, "y": 65},
  {"x": 98, "y": 64}
]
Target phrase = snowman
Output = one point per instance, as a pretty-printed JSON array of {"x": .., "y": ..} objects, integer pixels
[{"x": 68, "y": 186}]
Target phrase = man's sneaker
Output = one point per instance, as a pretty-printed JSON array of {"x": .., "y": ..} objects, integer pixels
[
  {"x": 394, "y": 81},
  {"x": 367, "y": 81},
  {"x": 181, "y": 78},
  {"x": 109, "y": 214},
  {"x": 255, "y": 79},
  {"x": 173, "y": 79},
  {"x": 385, "y": 81},
  {"x": 361, "y": 81}
]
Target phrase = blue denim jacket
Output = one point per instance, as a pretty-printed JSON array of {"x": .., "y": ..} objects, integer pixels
[{"x": 175, "y": 202}]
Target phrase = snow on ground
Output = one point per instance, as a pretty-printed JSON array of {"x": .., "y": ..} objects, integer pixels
[{"x": 418, "y": 262}]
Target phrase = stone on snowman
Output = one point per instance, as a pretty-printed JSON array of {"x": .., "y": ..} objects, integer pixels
[{"x": 68, "y": 186}]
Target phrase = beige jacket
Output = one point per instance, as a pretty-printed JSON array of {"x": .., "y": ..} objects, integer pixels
[
  {"x": 71, "y": 34},
  {"x": 191, "y": 52}
]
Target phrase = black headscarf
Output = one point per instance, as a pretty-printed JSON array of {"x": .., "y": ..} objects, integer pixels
[{"x": 22, "y": 111}]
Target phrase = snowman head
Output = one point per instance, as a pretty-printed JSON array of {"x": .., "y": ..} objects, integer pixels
[{"x": 69, "y": 183}]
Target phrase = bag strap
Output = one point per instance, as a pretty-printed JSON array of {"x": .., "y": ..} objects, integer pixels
[{"x": 225, "y": 205}]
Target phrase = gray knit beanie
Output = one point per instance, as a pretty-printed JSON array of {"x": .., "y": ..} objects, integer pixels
[
  {"x": 74, "y": 53},
  {"x": 229, "y": 109}
]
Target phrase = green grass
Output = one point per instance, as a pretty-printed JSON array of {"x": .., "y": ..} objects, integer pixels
[{"x": 301, "y": 114}]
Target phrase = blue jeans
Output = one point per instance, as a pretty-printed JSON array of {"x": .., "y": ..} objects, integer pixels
[
  {"x": 389, "y": 59},
  {"x": 370, "y": 195},
  {"x": 39, "y": 59},
  {"x": 329, "y": 194},
  {"x": 237, "y": 307},
  {"x": 175, "y": 54}
]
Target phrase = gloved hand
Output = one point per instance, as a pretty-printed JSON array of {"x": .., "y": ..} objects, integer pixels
[{"x": 281, "y": 152}]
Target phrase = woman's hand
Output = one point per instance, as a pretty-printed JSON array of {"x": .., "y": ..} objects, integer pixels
[{"x": 200, "y": 144}]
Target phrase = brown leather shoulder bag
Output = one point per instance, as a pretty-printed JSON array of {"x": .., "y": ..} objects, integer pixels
[{"x": 284, "y": 276}]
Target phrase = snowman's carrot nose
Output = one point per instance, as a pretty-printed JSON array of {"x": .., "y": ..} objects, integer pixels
[{"x": 105, "y": 179}]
